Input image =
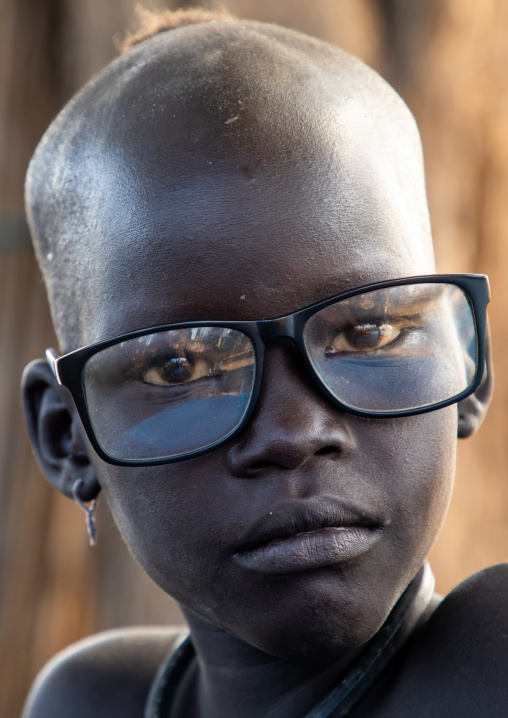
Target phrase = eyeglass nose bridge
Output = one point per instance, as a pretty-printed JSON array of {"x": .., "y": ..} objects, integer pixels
[{"x": 277, "y": 328}]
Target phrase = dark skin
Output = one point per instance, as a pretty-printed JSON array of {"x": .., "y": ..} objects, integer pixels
[{"x": 266, "y": 233}]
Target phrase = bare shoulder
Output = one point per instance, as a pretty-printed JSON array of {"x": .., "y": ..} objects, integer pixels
[
  {"x": 472, "y": 620},
  {"x": 463, "y": 652},
  {"x": 108, "y": 674},
  {"x": 457, "y": 665}
]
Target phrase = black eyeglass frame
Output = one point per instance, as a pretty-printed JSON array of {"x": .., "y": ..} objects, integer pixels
[{"x": 69, "y": 368}]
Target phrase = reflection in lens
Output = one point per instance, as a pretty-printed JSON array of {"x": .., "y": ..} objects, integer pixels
[
  {"x": 402, "y": 347},
  {"x": 170, "y": 392}
]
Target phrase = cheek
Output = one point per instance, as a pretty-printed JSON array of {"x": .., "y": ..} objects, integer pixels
[
  {"x": 417, "y": 456},
  {"x": 173, "y": 520}
]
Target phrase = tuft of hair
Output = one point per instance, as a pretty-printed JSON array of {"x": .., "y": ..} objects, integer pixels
[{"x": 153, "y": 22}]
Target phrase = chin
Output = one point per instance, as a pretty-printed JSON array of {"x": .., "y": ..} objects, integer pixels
[
  {"x": 318, "y": 620},
  {"x": 320, "y": 638}
]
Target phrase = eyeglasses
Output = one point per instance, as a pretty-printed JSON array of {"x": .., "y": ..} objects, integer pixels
[{"x": 390, "y": 349}]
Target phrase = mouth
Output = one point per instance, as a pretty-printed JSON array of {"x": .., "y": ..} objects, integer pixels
[{"x": 301, "y": 536}]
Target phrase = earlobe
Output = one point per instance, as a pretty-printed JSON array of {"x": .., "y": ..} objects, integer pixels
[
  {"x": 472, "y": 410},
  {"x": 56, "y": 432}
]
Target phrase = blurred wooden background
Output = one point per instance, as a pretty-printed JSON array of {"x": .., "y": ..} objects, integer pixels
[{"x": 449, "y": 60}]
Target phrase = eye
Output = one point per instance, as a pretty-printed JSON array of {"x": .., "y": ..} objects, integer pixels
[
  {"x": 363, "y": 337},
  {"x": 178, "y": 370}
]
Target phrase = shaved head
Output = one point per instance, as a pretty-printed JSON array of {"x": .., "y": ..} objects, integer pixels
[
  {"x": 206, "y": 122},
  {"x": 224, "y": 172}
]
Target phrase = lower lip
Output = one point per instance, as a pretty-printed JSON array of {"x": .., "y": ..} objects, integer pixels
[{"x": 312, "y": 549}]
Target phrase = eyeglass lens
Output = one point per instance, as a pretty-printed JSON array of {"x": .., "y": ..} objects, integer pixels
[
  {"x": 169, "y": 393},
  {"x": 403, "y": 347},
  {"x": 181, "y": 390}
]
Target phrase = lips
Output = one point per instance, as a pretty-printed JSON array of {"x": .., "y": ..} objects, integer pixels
[{"x": 299, "y": 536}]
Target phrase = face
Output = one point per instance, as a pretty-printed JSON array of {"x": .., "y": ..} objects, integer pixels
[{"x": 253, "y": 248}]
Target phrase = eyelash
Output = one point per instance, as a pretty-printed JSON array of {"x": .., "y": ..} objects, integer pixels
[{"x": 402, "y": 332}]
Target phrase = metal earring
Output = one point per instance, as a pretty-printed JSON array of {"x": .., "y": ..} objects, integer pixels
[{"x": 88, "y": 507}]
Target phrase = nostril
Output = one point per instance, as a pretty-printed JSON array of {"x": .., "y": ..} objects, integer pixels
[
  {"x": 326, "y": 450},
  {"x": 284, "y": 456},
  {"x": 261, "y": 465}
]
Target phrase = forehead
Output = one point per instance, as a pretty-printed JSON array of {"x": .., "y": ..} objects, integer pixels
[
  {"x": 249, "y": 245},
  {"x": 234, "y": 192}
]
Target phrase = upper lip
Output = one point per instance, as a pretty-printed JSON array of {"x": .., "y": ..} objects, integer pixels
[{"x": 299, "y": 516}]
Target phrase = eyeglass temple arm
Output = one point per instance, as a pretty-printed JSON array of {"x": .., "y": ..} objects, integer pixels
[{"x": 52, "y": 359}]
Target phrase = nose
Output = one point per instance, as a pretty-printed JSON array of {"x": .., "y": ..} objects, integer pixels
[{"x": 293, "y": 421}]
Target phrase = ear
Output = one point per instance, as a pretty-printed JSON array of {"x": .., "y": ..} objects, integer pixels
[
  {"x": 473, "y": 409},
  {"x": 56, "y": 432}
]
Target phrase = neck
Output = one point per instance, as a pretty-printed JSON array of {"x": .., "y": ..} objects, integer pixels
[{"x": 234, "y": 678}]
